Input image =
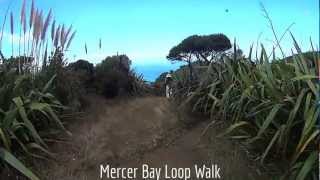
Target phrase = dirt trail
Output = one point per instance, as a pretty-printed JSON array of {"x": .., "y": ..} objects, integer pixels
[{"x": 129, "y": 133}]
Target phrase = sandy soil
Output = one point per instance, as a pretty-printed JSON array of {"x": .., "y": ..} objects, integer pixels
[{"x": 132, "y": 132}]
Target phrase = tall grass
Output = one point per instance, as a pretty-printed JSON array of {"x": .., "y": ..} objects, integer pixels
[
  {"x": 28, "y": 109},
  {"x": 271, "y": 104},
  {"x": 35, "y": 37}
]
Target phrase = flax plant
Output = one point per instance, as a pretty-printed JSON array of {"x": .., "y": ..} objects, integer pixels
[{"x": 271, "y": 104}]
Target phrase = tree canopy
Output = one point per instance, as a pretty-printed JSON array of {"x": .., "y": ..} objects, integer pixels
[
  {"x": 202, "y": 48},
  {"x": 117, "y": 62},
  {"x": 82, "y": 65}
]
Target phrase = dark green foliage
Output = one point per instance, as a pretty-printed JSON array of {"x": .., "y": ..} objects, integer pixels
[
  {"x": 8, "y": 90},
  {"x": 28, "y": 111},
  {"x": 112, "y": 76},
  {"x": 68, "y": 85},
  {"x": 201, "y": 49},
  {"x": 82, "y": 65},
  {"x": 84, "y": 71}
]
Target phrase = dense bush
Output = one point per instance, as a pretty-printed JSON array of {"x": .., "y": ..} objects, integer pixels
[
  {"x": 69, "y": 85},
  {"x": 82, "y": 66},
  {"x": 114, "y": 77},
  {"x": 83, "y": 70}
]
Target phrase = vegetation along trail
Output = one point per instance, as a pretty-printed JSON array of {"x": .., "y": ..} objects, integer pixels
[
  {"x": 136, "y": 131},
  {"x": 231, "y": 114}
]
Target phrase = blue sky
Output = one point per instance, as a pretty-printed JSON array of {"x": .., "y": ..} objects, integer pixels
[{"x": 145, "y": 30}]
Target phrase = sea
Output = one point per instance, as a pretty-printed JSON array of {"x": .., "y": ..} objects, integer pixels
[{"x": 151, "y": 71}]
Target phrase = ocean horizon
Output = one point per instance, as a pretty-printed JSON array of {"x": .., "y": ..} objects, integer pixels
[{"x": 151, "y": 71}]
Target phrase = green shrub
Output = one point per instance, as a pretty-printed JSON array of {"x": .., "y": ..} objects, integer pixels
[
  {"x": 84, "y": 70},
  {"x": 69, "y": 85},
  {"x": 112, "y": 76}
]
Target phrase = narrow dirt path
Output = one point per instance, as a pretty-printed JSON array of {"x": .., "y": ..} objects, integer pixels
[{"x": 129, "y": 133}]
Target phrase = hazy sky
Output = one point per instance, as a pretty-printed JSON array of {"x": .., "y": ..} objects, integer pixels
[{"x": 146, "y": 29}]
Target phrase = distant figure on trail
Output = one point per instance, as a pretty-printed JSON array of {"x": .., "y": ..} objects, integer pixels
[{"x": 168, "y": 84}]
